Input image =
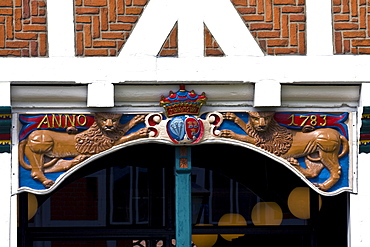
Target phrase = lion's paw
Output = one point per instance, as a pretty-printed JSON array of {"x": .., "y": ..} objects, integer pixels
[
  {"x": 48, "y": 183},
  {"x": 226, "y": 133},
  {"x": 229, "y": 116},
  {"x": 293, "y": 161},
  {"x": 320, "y": 186},
  {"x": 77, "y": 160},
  {"x": 138, "y": 119},
  {"x": 144, "y": 132}
]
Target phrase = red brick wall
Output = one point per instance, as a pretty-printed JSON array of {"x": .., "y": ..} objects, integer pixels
[
  {"x": 212, "y": 48},
  {"x": 351, "y": 26},
  {"x": 170, "y": 48},
  {"x": 23, "y": 28},
  {"x": 278, "y": 25},
  {"x": 103, "y": 26}
]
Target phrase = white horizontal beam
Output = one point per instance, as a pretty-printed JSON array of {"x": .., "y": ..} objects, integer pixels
[
  {"x": 248, "y": 69},
  {"x": 219, "y": 95}
]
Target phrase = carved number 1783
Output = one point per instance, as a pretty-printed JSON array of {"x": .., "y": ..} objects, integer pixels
[{"x": 312, "y": 120}]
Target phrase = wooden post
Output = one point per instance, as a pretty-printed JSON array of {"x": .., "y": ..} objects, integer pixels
[{"x": 183, "y": 197}]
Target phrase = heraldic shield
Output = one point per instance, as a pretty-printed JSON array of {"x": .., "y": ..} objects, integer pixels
[{"x": 185, "y": 129}]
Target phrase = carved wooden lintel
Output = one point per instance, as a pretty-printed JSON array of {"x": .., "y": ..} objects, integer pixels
[{"x": 308, "y": 143}]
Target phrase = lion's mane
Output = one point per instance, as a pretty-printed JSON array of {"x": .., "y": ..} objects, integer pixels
[
  {"x": 95, "y": 139},
  {"x": 276, "y": 139}
]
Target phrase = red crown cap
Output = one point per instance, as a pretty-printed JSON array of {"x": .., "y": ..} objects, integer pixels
[{"x": 182, "y": 102}]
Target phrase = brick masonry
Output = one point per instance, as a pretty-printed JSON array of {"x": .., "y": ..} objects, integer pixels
[
  {"x": 103, "y": 27},
  {"x": 23, "y": 29},
  {"x": 351, "y": 26},
  {"x": 211, "y": 47},
  {"x": 170, "y": 48},
  {"x": 277, "y": 25}
]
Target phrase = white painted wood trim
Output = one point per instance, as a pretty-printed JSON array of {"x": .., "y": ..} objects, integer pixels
[
  {"x": 60, "y": 19},
  {"x": 285, "y": 69},
  {"x": 359, "y": 209},
  {"x": 190, "y": 28},
  {"x": 319, "y": 28},
  {"x": 267, "y": 93},
  {"x": 5, "y": 93},
  {"x": 220, "y": 95},
  {"x": 100, "y": 94},
  {"x": 5, "y": 194}
]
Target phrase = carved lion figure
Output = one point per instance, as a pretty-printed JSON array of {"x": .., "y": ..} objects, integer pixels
[
  {"x": 321, "y": 148},
  {"x": 46, "y": 149}
]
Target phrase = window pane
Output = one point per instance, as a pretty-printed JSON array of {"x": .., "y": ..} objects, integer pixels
[{"x": 76, "y": 201}]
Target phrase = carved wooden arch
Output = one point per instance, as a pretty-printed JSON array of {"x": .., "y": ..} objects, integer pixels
[
  {"x": 91, "y": 159},
  {"x": 177, "y": 130},
  {"x": 286, "y": 164}
]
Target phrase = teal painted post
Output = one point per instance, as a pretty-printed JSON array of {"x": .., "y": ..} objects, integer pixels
[{"x": 183, "y": 197}]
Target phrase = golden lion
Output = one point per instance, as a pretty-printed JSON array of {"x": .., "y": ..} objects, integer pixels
[
  {"x": 320, "y": 147},
  {"x": 43, "y": 145}
]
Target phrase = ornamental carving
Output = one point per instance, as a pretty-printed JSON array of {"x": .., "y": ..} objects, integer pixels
[
  {"x": 46, "y": 150},
  {"x": 321, "y": 148},
  {"x": 315, "y": 146}
]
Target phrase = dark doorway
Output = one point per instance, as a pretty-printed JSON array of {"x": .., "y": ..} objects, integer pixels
[
  {"x": 252, "y": 178},
  {"x": 126, "y": 198}
]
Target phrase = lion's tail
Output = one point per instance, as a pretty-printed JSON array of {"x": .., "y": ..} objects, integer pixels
[
  {"x": 345, "y": 145},
  {"x": 21, "y": 160}
]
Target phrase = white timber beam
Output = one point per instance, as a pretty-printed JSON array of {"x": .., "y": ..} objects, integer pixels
[
  {"x": 359, "y": 208},
  {"x": 5, "y": 93},
  {"x": 60, "y": 19},
  {"x": 100, "y": 94},
  {"x": 267, "y": 93},
  {"x": 6, "y": 179},
  {"x": 190, "y": 28},
  {"x": 5, "y": 193},
  {"x": 319, "y": 27}
]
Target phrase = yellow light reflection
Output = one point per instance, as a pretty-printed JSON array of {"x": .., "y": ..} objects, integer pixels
[
  {"x": 32, "y": 205},
  {"x": 267, "y": 213},
  {"x": 299, "y": 202},
  {"x": 232, "y": 220},
  {"x": 204, "y": 240}
]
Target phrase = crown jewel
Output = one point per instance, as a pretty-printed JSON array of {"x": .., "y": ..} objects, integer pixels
[{"x": 182, "y": 102}]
